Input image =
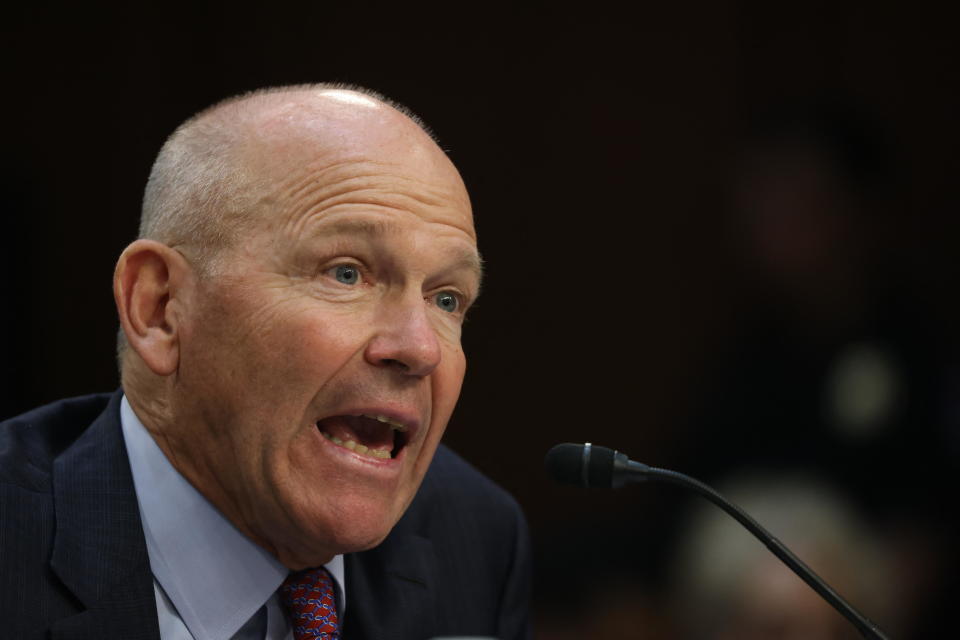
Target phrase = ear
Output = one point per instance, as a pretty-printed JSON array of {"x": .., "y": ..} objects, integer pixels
[{"x": 150, "y": 285}]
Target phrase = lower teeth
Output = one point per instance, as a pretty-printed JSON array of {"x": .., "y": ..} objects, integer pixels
[{"x": 362, "y": 449}]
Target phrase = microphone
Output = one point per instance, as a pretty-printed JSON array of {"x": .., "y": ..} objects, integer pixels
[{"x": 588, "y": 465}]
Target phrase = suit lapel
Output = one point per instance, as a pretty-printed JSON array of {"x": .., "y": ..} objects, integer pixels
[
  {"x": 391, "y": 589},
  {"x": 99, "y": 551}
]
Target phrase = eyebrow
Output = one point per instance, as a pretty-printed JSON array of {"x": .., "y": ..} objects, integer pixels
[{"x": 470, "y": 260}]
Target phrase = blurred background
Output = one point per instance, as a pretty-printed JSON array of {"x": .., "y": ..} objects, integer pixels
[{"x": 720, "y": 236}]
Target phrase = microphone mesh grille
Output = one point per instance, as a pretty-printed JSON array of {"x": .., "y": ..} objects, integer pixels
[{"x": 564, "y": 462}]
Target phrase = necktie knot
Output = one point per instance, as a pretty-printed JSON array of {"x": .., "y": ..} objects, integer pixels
[{"x": 309, "y": 599}]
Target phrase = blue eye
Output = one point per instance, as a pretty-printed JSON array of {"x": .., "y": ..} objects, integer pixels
[
  {"x": 347, "y": 274},
  {"x": 447, "y": 301}
]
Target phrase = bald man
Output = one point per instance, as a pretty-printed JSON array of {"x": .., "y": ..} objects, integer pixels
[{"x": 290, "y": 356}]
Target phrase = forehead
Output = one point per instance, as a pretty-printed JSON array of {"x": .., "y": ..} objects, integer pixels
[{"x": 311, "y": 158}]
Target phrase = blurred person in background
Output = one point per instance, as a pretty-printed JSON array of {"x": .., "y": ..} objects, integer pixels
[
  {"x": 836, "y": 364},
  {"x": 730, "y": 586}
]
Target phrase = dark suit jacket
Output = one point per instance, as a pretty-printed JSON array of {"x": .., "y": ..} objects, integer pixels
[{"x": 73, "y": 561}]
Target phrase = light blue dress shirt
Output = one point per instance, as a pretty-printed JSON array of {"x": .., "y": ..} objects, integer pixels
[{"x": 211, "y": 581}]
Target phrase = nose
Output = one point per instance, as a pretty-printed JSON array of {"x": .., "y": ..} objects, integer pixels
[{"x": 405, "y": 340}]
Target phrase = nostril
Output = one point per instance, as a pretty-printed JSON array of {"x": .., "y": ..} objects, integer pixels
[{"x": 396, "y": 364}]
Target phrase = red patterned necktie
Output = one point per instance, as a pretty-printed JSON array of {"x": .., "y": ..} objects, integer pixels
[{"x": 308, "y": 597}]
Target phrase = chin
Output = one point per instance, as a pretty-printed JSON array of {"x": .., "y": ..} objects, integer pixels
[
  {"x": 348, "y": 528},
  {"x": 365, "y": 527}
]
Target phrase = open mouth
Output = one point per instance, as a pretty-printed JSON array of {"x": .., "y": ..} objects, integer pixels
[{"x": 374, "y": 436}]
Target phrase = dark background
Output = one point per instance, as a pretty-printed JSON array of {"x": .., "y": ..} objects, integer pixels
[{"x": 606, "y": 152}]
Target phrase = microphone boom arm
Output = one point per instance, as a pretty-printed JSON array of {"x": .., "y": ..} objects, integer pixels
[{"x": 867, "y": 628}]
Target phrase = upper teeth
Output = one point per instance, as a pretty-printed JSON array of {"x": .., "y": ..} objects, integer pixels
[{"x": 393, "y": 423}]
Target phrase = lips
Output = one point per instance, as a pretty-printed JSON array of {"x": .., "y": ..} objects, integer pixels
[{"x": 374, "y": 435}]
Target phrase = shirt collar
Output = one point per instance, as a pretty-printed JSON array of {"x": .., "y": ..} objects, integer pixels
[{"x": 214, "y": 575}]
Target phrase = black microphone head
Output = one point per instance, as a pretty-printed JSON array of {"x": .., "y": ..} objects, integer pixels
[
  {"x": 583, "y": 465},
  {"x": 564, "y": 462}
]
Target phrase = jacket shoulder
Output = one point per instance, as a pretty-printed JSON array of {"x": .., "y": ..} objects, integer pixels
[
  {"x": 481, "y": 548},
  {"x": 30, "y": 442},
  {"x": 452, "y": 478},
  {"x": 456, "y": 496}
]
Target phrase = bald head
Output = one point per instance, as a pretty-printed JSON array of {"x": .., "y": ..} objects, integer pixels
[{"x": 213, "y": 171}]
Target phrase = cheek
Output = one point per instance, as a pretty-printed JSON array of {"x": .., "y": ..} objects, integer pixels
[
  {"x": 447, "y": 380},
  {"x": 445, "y": 391},
  {"x": 265, "y": 367},
  {"x": 306, "y": 347}
]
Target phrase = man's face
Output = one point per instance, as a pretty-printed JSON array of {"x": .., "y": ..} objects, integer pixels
[{"x": 322, "y": 361}]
